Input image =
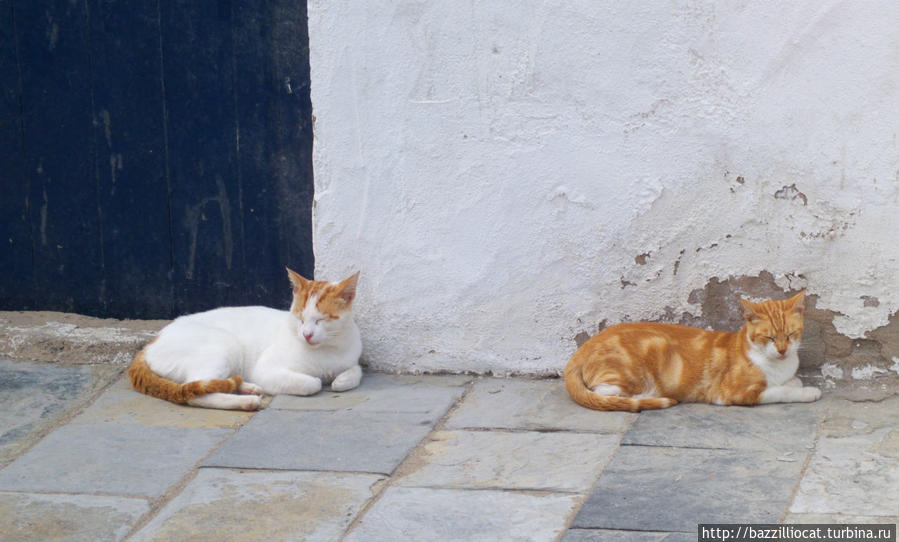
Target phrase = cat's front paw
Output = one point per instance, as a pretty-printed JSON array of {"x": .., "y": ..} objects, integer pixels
[
  {"x": 348, "y": 379},
  {"x": 310, "y": 386},
  {"x": 810, "y": 394}
]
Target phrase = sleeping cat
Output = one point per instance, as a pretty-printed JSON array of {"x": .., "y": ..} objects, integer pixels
[
  {"x": 225, "y": 358},
  {"x": 642, "y": 366}
]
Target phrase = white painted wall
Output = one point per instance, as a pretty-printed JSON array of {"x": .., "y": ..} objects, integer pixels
[{"x": 494, "y": 168}]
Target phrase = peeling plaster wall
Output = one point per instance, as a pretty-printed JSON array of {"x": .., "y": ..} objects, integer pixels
[{"x": 512, "y": 175}]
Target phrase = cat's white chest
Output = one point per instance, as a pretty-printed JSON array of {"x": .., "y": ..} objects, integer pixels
[
  {"x": 777, "y": 371},
  {"x": 326, "y": 362}
]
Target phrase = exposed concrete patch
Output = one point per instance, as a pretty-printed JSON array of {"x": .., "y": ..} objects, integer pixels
[
  {"x": 719, "y": 308},
  {"x": 72, "y": 339},
  {"x": 829, "y": 370},
  {"x": 867, "y": 372},
  {"x": 581, "y": 338},
  {"x": 791, "y": 193},
  {"x": 870, "y": 301}
]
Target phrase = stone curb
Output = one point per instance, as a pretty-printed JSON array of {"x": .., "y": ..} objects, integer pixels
[{"x": 72, "y": 339}]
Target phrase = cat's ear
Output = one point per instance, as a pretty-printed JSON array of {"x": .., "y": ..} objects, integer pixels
[
  {"x": 748, "y": 310},
  {"x": 296, "y": 280},
  {"x": 347, "y": 288},
  {"x": 797, "y": 302}
]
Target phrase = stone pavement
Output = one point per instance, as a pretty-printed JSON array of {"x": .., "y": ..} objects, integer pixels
[{"x": 418, "y": 458}]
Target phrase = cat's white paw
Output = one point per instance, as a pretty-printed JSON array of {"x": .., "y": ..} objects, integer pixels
[
  {"x": 310, "y": 386},
  {"x": 251, "y": 402},
  {"x": 249, "y": 389},
  {"x": 347, "y": 380},
  {"x": 810, "y": 394}
]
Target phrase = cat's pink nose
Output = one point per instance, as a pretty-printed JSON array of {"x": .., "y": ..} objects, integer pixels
[{"x": 308, "y": 336}]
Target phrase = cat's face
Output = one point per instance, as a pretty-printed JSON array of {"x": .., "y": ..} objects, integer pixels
[
  {"x": 775, "y": 327},
  {"x": 322, "y": 308}
]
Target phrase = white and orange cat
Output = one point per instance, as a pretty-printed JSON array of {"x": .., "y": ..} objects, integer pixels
[
  {"x": 642, "y": 366},
  {"x": 225, "y": 358}
]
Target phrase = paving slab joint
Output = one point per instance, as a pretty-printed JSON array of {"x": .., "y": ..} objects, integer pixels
[
  {"x": 66, "y": 416},
  {"x": 158, "y": 503},
  {"x": 416, "y": 451},
  {"x": 819, "y": 423}
]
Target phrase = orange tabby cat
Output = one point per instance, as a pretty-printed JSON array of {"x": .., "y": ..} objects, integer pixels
[{"x": 641, "y": 366}]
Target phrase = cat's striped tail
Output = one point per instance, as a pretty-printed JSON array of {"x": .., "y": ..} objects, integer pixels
[
  {"x": 584, "y": 396},
  {"x": 144, "y": 380}
]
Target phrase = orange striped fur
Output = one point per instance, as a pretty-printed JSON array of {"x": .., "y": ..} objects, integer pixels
[
  {"x": 332, "y": 298},
  {"x": 644, "y": 366},
  {"x": 144, "y": 380}
]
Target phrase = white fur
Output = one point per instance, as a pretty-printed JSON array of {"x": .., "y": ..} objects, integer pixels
[
  {"x": 615, "y": 391},
  {"x": 607, "y": 389},
  {"x": 264, "y": 346},
  {"x": 790, "y": 394},
  {"x": 777, "y": 371},
  {"x": 782, "y": 386},
  {"x": 226, "y": 401}
]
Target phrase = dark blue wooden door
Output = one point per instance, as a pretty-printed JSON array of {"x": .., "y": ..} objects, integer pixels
[{"x": 155, "y": 156}]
